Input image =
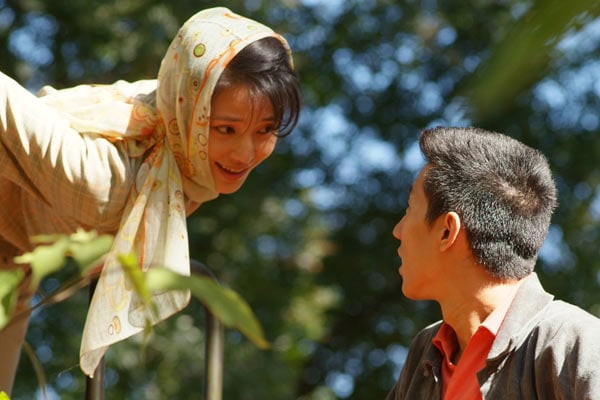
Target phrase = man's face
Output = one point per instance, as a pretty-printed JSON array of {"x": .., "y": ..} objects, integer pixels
[{"x": 418, "y": 245}]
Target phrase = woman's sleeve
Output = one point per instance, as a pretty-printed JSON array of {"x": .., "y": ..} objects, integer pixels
[{"x": 86, "y": 178}]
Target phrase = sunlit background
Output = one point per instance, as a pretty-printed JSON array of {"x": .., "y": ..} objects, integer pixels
[{"x": 307, "y": 242}]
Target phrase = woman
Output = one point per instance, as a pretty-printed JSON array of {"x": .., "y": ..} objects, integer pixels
[{"x": 134, "y": 159}]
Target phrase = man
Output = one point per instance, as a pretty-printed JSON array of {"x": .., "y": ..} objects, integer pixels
[{"x": 477, "y": 216}]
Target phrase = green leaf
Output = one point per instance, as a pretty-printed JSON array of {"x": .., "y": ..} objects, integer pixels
[
  {"x": 513, "y": 66},
  {"x": 45, "y": 259},
  {"x": 223, "y": 303},
  {"x": 9, "y": 283},
  {"x": 87, "y": 251},
  {"x": 86, "y": 248},
  {"x": 133, "y": 271}
]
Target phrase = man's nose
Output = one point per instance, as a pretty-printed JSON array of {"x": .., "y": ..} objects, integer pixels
[{"x": 398, "y": 229}]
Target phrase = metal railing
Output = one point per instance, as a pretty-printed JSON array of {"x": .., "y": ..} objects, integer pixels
[{"x": 213, "y": 352}]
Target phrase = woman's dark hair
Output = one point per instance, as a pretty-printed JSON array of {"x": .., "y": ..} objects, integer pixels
[{"x": 264, "y": 65}]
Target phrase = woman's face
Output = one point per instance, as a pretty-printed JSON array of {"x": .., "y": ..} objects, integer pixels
[{"x": 241, "y": 136}]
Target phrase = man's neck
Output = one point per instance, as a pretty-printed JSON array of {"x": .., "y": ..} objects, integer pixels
[{"x": 467, "y": 310}]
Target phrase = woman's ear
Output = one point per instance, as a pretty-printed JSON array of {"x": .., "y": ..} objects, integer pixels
[{"x": 450, "y": 227}]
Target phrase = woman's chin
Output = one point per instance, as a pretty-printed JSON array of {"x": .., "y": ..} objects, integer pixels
[{"x": 229, "y": 188}]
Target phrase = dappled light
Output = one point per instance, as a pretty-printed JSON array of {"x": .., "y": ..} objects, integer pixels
[{"x": 307, "y": 242}]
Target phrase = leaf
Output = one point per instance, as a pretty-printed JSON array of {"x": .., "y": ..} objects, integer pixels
[
  {"x": 223, "y": 303},
  {"x": 136, "y": 276},
  {"x": 9, "y": 283},
  {"x": 4, "y": 396},
  {"x": 513, "y": 66},
  {"x": 45, "y": 259},
  {"x": 86, "y": 248},
  {"x": 88, "y": 251}
]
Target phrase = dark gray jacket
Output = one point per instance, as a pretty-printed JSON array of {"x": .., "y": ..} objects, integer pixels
[{"x": 545, "y": 349}]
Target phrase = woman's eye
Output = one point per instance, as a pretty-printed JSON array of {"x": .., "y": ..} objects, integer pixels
[
  {"x": 227, "y": 130},
  {"x": 268, "y": 129}
]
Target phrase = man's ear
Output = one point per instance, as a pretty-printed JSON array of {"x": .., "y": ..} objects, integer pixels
[{"x": 450, "y": 229}]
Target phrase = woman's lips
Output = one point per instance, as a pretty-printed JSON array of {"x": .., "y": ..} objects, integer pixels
[{"x": 234, "y": 173}]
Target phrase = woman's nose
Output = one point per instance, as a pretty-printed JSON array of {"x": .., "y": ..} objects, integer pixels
[{"x": 243, "y": 151}]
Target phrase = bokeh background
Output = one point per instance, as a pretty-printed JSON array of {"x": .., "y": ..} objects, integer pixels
[{"x": 307, "y": 241}]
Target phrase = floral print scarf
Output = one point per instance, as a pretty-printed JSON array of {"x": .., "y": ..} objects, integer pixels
[{"x": 165, "y": 121}]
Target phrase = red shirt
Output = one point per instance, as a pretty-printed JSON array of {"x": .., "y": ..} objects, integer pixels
[{"x": 459, "y": 381}]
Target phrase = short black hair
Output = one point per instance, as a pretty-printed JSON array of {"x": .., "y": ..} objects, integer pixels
[
  {"x": 502, "y": 190},
  {"x": 265, "y": 66}
]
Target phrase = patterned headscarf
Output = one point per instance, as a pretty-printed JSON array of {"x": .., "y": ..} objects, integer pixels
[{"x": 167, "y": 122}]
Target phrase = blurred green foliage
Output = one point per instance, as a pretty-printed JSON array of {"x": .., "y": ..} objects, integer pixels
[{"x": 307, "y": 241}]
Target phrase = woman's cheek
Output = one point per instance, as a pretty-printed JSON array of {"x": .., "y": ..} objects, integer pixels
[{"x": 267, "y": 148}]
